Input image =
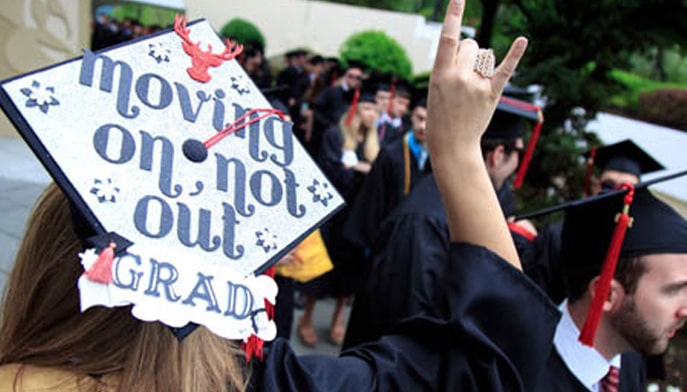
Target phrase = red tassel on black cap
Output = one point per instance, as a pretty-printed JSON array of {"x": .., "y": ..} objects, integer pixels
[
  {"x": 354, "y": 106},
  {"x": 603, "y": 287},
  {"x": 524, "y": 164}
]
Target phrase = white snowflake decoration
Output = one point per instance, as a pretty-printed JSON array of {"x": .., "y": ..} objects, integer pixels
[
  {"x": 106, "y": 191},
  {"x": 319, "y": 192},
  {"x": 40, "y": 96},
  {"x": 264, "y": 237},
  {"x": 240, "y": 84},
  {"x": 159, "y": 52}
]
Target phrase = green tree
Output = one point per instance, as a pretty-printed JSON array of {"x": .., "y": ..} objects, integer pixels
[
  {"x": 244, "y": 32},
  {"x": 574, "y": 46},
  {"x": 377, "y": 50}
]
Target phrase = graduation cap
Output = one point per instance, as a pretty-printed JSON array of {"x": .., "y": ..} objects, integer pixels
[
  {"x": 169, "y": 152},
  {"x": 507, "y": 124},
  {"x": 599, "y": 230},
  {"x": 624, "y": 156}
]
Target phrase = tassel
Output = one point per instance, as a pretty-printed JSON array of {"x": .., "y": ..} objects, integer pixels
[
  {"x": 253, "y": 348},
  {"x": 588, "y": 174},
  {"x": 623, "y": 221},
  {"x": 354, "y": 106},
  {"x": 522, "y": 170},
  {"x": 101, "y": 270}
]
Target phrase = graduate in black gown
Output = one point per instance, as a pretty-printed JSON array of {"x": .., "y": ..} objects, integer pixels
[
  {"x": 612, "y": 314},
  {"x": 495, "y": 335},
  {"x": 410, "y": 246},
  {"x": 333, "y": 101},
  {"x": 396, "y": 170},
  {"x": 392, "y": 124}
]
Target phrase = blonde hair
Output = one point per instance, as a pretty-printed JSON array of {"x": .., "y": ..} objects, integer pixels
[
  {"x": 350, "y": 132},
  {"x": 42, "y": 325}
]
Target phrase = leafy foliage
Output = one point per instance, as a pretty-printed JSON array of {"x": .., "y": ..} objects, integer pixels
[
  {"x": 244, "y": 32},
  {"x": 377, "y": 50},
  {"x": 574, "y": 47},
  {"x": 147, "y": 15}
]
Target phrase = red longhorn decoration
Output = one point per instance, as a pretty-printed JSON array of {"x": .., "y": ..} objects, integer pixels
[{"x": 202, "y": 60}]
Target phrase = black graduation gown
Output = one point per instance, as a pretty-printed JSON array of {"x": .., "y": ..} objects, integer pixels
[
  {"x": 381, "y": 192},
  {"x": 496, "y": 336},
  {"x": 557, "y": 377},
  {"x": 543, "y": 264},
  {"x": 389, "y": 134},
  {"x": 408, "y": 257},
  {"x": 328, "y": 107}
]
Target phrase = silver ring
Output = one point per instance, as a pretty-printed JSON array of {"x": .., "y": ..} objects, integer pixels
[{"x": 485, "y": 63}]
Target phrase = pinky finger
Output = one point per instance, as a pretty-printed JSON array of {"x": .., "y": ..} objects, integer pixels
[{"x": 507, "y": 67}]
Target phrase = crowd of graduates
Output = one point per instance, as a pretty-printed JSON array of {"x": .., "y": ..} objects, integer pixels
[
  {"x": 389, "y": 244},
  {"x": 427, "y": 251}
]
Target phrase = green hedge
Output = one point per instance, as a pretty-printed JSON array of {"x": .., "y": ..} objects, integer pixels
[
  {"x": 377, "y": 50},
  {"x": 244, "y": 32}
]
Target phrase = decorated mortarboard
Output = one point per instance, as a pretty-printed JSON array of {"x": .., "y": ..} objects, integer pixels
[
  {"x": 507, "y": 124},
  {"x": 624, "y": 156},
  {"x": 600, "y": 229},
  {"x": 166, "y": 143}
]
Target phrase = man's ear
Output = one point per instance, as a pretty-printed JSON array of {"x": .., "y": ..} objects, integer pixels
[{"x": 616, "y": 294}]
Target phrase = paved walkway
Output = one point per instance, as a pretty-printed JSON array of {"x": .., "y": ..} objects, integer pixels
[{"x": 22, "y": 179}]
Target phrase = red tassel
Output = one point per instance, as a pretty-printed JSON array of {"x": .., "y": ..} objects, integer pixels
[
  {"x": 354, "y": 106},
  {"x": 588, "y": 174},
  {"x": 608, "y": 271},
  {"x": 253, "y": 348},
  {"x": 101, "y": 270},
  {"x": 522, "y": 170}
]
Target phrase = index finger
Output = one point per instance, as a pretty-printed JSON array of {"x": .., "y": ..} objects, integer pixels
[{"x": 450, "y": 35}]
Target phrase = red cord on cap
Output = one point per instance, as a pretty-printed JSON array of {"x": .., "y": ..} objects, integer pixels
[
  {"x": 354, "y": 106},
  {"x": 235, "y": 126},
  {"x": 603, "y": 287},
  {"x": 536, "y": 131}
]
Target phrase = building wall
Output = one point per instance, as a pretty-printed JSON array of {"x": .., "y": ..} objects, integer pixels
[
  {"x": 321, "y": 27},
  {"x": 37, "y": 33}
]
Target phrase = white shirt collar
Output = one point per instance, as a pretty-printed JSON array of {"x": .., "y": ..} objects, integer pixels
[
  {"x": 385, "y": 118},
  {"x": 587, "y": 364}
]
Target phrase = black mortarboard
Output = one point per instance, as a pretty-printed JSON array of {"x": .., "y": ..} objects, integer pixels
[
  {"x": 124, "y": 131},
  {"x": 624, "y": 156},
  {"x": 419, "y": 97},
  {"x": 367, "y": 96}
]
